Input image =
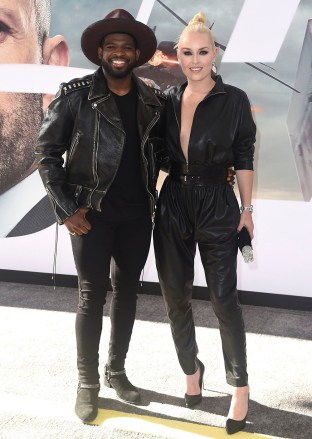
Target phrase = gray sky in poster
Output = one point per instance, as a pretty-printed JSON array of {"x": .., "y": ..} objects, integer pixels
[{"x": 276, "y": 175}]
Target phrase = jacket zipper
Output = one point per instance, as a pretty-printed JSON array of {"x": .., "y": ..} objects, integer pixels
[
  {"x": 187, "y": 169},
  {"x": 94, "y": 164},
  {"x": 146, "y": 134},
  {"x": 123, "y": 145},
  {"x": 73, "y": 147}
]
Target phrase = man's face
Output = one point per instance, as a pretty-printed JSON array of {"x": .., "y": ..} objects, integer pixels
[
  {"x": 118, "y": 55},
  {"x": 20, "y": 114}
]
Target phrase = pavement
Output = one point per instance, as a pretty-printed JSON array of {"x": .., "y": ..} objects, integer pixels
[{"x": 39, "y": 378}]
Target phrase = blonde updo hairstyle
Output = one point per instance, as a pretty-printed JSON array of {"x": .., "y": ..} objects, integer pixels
[{"x": 197, "y": 24}]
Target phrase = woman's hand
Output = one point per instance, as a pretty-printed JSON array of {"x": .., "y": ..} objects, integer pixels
[{"x": 246, "y": 221}]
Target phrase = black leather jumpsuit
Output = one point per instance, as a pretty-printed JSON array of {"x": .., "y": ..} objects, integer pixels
[{"x": 198, "y": 206}]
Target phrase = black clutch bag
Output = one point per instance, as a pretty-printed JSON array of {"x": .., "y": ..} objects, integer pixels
[{"x": 244, "y": 244}]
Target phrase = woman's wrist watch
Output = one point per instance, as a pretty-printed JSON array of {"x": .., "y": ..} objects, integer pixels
[{"x": 246, "y": 208}]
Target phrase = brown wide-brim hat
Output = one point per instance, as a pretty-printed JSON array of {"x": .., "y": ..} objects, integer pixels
[{"x": 118, "y": 21}]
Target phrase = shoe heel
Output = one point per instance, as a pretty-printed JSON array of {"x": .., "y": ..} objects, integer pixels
[
  {"x": 192, "y": 400},
  {"x": 118, "y": 381},
  {"x": 106, "y": 378},
  {"x": 107, "y": 383}
]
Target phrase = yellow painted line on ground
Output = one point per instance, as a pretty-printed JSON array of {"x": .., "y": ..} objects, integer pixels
[{"x": 165, "y": 427}]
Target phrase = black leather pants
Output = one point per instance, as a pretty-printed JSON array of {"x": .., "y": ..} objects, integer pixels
[
  {"x": 124, "y": 246},
  {"x": 206, "y": 215}
]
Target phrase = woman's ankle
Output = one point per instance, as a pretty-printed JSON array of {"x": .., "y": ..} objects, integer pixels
[
  {"x": 192, "y": 383},
  {"x": 239, "y": 403},
  {"x": 241, "y": 391}
]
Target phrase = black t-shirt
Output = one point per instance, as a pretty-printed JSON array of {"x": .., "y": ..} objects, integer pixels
[{"x": 127, "y": 197}]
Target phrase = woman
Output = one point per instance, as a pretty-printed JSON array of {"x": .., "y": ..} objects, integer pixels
[{"x": 209, "y": 128}]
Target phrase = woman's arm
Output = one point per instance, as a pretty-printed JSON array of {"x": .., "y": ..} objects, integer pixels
[
  {"x": 245, "y": 182},
  {"x": 243, "y": 149}
]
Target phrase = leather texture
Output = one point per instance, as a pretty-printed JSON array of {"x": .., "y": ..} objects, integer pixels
[
  {"x": 223, "y": 130},
  {"x": 83, "y": 122},
  {"x": 204, "y": 215}
]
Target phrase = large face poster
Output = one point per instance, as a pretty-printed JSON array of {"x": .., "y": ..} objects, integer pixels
[{"x": 279, "y": 91}]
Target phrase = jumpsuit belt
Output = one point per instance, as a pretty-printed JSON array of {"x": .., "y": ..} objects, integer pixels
[{"x": 198, "y": 175}]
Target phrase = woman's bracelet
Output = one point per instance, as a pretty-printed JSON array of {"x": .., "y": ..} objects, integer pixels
[{"x": 247, "y": 208}]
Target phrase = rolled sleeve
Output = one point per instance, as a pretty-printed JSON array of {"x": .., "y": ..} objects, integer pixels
[{"x": 244, "y": 144}]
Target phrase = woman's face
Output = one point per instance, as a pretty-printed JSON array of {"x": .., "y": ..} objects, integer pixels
[{"x": 196, "y": 54}]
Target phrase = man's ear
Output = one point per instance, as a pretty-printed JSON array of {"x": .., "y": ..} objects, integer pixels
[
  {"x": 100, "y": 52},
  {"x": 56, "y": 53}
]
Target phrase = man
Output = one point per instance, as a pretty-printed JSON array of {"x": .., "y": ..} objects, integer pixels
[
  {"x": 109, "y": 126},
  {"x": 24, "y": 39}
]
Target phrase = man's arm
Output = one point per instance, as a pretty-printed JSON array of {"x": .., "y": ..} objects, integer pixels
[{"x": 53, "y": 141}]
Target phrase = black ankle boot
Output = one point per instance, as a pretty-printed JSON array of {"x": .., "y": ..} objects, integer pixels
[
  {"x": 86, "y": 407},
  {"x": 122, "y": 386}
]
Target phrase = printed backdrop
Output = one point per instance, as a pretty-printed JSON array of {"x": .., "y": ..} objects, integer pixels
[{"x": 276, "y": 75}]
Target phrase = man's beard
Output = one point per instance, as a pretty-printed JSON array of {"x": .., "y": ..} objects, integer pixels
[
  {"x": 19, "y": 127},
  {"x": 117, "y": 74}
]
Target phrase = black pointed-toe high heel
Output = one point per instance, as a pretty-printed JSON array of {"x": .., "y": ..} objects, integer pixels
[
  {"x": 192, "y": 400},
  {"x": 232, "y": 426}
]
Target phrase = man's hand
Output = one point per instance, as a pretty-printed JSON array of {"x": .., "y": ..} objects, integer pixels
[
  {"x": 231, "y": 176},
  {"x": 77, "y": 224}
]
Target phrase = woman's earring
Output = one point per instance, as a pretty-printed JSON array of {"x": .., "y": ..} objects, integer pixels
[{"x": 214, "y": 68}]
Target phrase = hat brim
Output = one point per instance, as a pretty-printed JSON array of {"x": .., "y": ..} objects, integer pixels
[{"x": 143, "y": 35}]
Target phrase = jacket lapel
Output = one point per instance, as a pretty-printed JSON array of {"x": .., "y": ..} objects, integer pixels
[
  {"x": 148, "y": 107},
  {"x": 102, "y": 99}
]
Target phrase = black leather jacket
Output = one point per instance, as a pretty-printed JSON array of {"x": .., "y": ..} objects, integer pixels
[
  {"x": 83, "y": 122},
  {"x": 223, "y": 131}
]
